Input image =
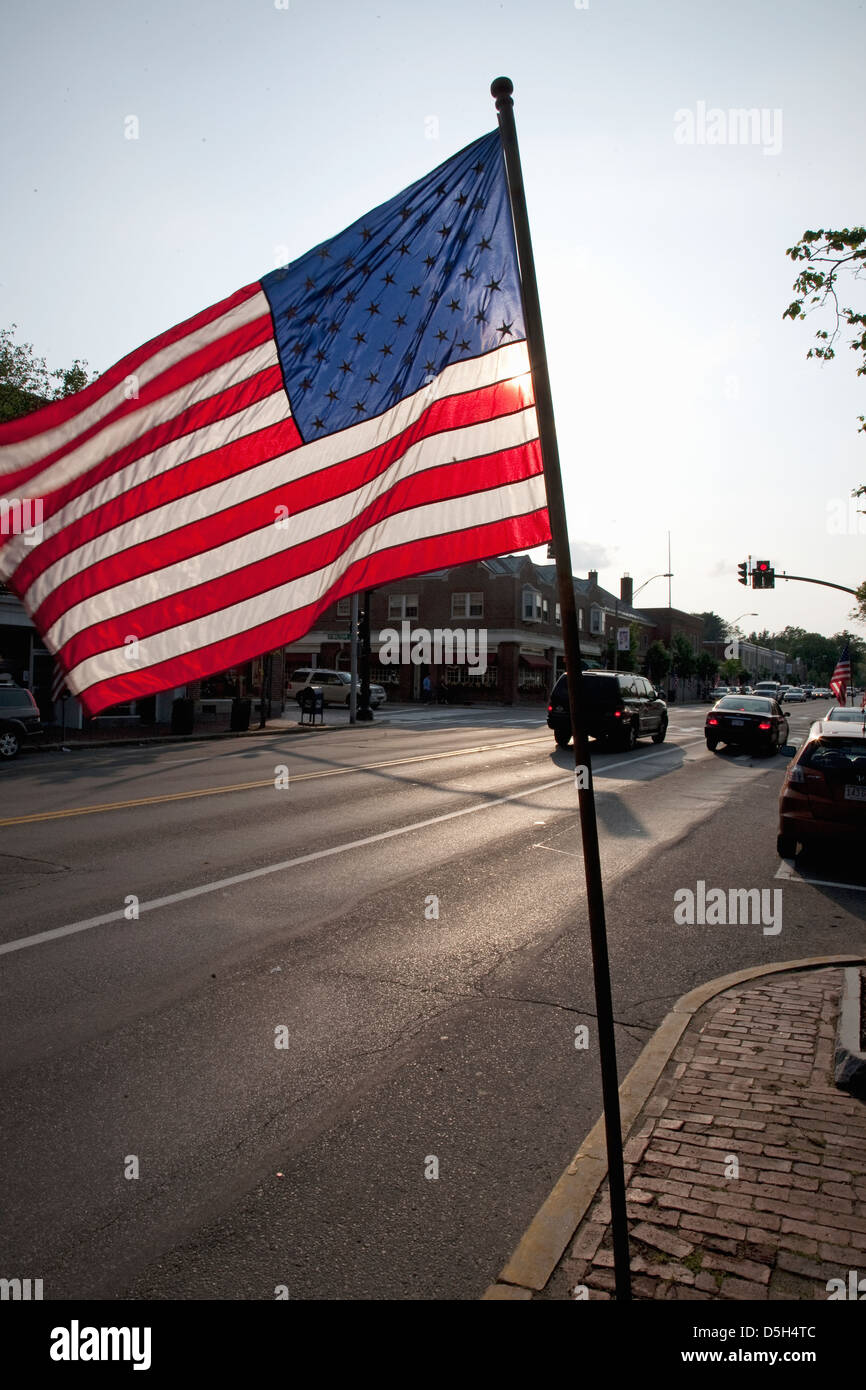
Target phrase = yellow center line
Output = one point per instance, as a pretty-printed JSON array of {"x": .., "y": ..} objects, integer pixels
[{"x": 266, "y": 782}]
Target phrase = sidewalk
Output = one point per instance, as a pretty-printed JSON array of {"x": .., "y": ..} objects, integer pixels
[{"x": 745, "y": 1165}]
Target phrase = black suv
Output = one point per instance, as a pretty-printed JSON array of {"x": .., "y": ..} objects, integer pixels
[
  {"x": 619, "y": 707},
  {"x": 19, "y": 719}
]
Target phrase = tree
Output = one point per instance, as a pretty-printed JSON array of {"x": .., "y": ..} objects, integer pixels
[
  {"x": 26, "y": 383},
  {"x": 682, "y": 657},
  {"x": 657, "y": 662},
  {"x": 715, "y": 628},
  {"x": 706, "y": 666},
  {"x": 825, "y": 255}
]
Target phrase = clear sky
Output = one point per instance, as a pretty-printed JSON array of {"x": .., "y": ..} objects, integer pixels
[{"x": 683, "y": 401}]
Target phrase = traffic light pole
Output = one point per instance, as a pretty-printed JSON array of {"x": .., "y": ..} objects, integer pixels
[{"x": 802, "y": 579}]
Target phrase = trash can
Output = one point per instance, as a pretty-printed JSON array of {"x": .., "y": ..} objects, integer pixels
[
  {"x": 182, "y": 715},
  {"x": 312, "y": 702},
  {"x": 240, "y": 716}
]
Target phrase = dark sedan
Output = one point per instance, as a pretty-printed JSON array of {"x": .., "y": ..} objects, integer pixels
[{"x": 747, "y": 721}]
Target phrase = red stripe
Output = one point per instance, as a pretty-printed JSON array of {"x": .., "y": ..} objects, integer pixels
[
  {"x": 58, "y": 412},
  {"x": 454, "y": 548},
  {"x": 189, "y": 369},
  {"x": 210, "y": 532},
  {"x": 232, "y": 459},
  {"x": 464, "y": 479}
]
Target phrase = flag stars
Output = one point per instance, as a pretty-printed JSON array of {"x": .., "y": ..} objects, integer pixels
[
  {"x": 332, "y": 395},
  {"x": 467, "y": 274},
  {"x": 318, "y": 423},
  {"x": 323, "y": 253},
  {"x": 372, "y": 377},
  {"x": 359, "y": 408},
  {"x": 493, "y": 285},
  {"x": 443, "y": 230},
  {"x": 414, "y": 292},
  {"x": 349, "y": 263},
  {"x": 478, "y": 168},
  {"x": 309, "y": 283},
  {"x": 442, "y": 336},
  {"x": 504, "y": 329},
  {"x": 372, "y": 308},
  {"x": 345, "y": 368},
  {"x": 292, "y": 312},
  {"x": 405, "y": 212},
  {"x": 319, "y": 355},
  {"x": 359, "y": 338},
  {"x": 453, "y": 305},
  {"x": 480, "y": 316},
  {"x": 388, "y": 278},
  {"x": 385, "y": 349},
  {"x": 463, "y": 345},
  {"x": 441, "y": 190},
  {"x": 350, "y": 296},
  {"x": 461, "y": 199},
  {"x": 403, "y": 248},
  {"x": 366, "y": 233},
  {"x": 479, "y": 205},
  {"x": 484, "y": 244},
  {"x": 306, "y": 384},
  {"x": 429, "y": 261},
  {"x": 333, "y": 327},
  {"x": 400, "y": 321}
]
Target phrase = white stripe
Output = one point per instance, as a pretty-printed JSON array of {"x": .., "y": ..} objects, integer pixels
[
  {"x": 28, "y": 451},
  {"x": 488, "y": 436},
  {"x": 507, "y": 364},
  {"x": 223, "y": 883},
  {"x": 123, "y": 432},
  {"x": 433, "y": 519}
]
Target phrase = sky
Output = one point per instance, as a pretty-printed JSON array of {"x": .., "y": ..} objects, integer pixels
[{"x": 158, "y": 155}]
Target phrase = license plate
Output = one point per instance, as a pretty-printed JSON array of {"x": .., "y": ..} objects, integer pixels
[
  {"x": 738, "y": 722},
  {"x": 855, "y": 793}
]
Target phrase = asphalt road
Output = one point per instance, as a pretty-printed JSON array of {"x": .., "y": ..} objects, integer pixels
[{"x": 171, "y": 914}]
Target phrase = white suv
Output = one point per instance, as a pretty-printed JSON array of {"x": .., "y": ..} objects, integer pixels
[{"x": 336, "y": 686}]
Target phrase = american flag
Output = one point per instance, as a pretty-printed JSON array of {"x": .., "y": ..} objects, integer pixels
[
  {"x": 58, "y": 685},
  {"x": 841, "y": 677},
  {"x": 361, "y": 415}
]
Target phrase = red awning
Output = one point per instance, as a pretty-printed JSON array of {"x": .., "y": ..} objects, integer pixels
[{"x": 537, "y": 663}]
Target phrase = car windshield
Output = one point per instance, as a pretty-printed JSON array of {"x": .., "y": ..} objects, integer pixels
[
  {"x": 747, "y": 703},
  {"x": 848, "y": 716},
  {"x": 846, "y": 753}
]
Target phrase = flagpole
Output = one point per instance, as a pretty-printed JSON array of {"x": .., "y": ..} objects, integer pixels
[{"x": 501, "y": 89}]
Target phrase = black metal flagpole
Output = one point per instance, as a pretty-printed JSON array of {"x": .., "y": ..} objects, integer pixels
[{"x": 501, "y": 90}]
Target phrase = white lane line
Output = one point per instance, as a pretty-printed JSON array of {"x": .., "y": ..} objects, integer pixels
[
  {"x": 24, "y": 942},
  {"x": 788, "y": 873}
]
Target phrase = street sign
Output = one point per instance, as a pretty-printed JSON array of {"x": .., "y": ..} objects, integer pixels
[
  {"x": 623, "y": 639},
  {"x": 339, "y": 636}
]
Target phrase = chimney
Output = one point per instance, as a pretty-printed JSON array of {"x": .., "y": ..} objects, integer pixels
[
  {"x": 593, "y": 576},
  {"x": 626, "y": 585}
]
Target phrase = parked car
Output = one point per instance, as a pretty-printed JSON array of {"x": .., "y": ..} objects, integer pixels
[
  {"x": 752, "y": 721},
  {"x": 823, "y": 797},
  {"x": 846, "y": 714},
  {"x": 336, "y": 686},
  {"x": 619, "y": 707},
  {"x": 19, "y": 719}
]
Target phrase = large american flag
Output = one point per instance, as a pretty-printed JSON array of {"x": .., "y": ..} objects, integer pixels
[
  {"x": 358, "y": 416},
  {"x": 841, "y": 677}
]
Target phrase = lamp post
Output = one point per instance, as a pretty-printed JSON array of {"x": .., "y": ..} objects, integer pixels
[
  {"x": 635, "y": 593},
  {"x": 732, "y": 626}
]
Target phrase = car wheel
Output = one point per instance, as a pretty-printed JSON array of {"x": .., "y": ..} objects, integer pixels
[
  {"x": 712, "y": 744},
  {"x": 630, "y": 738},
  {"x": 563, "y": 737},
  {"x": 10, "y": 743},
  {"x": 660, "y": 736},
  {"x": 786, "y": 846}
]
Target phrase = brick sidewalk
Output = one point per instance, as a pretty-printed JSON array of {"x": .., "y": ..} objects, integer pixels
[{"x": 746, "y": 1172}]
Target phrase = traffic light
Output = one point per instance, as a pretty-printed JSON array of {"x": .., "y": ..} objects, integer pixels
[
  {"x": 743, "y": 570},
  {"x": 763, "y": 575}
]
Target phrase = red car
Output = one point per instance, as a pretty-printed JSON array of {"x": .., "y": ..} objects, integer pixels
[{"x": 823, "y": 797}]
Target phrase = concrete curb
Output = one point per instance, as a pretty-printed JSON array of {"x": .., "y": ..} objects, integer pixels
[
  {"x": 850, "y": 1067},
  {"x": 546, "y": 1238}
]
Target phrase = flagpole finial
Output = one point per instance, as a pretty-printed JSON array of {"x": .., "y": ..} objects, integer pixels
[{"x": 501, "y": 89}]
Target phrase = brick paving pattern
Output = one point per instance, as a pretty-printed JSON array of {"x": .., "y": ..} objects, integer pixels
[{"x": 746, "y": 1170}]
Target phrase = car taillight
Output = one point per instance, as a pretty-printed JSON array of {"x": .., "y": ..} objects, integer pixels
[
  {"x": 617, "y": 714},
  {"x": 796, "y": 774},
  {"x": 712, "y": 719},
  {"x": 765, "y": 724}
]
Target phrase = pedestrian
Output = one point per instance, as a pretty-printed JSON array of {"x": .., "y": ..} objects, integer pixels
[{"x": 427, "y": 689}]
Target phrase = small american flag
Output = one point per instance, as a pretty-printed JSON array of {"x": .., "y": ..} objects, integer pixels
[
  {"x": 841, "y": 677},
  {"x": 58, "y": 685},
  {"x": 363, "y": 414}
]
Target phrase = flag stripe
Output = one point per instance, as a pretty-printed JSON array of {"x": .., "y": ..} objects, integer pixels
[
  {"x": 29, "y": 440},
  {"x": 160, "y": 538},
  {"x": 298, "y": 559},
  {"x": 217, "y": 652}
]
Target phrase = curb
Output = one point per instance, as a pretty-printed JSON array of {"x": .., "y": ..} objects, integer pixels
[
  {"x": 850, "y": 1067},
  {"x": 546, "y": 1238}
]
